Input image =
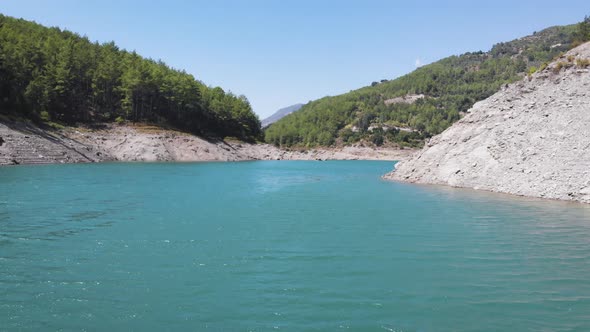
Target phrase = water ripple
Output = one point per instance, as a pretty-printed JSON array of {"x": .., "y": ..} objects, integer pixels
[{"x": 290, "y": 246}]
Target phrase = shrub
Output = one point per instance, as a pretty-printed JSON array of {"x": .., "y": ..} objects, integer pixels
[
  {"x": 543, "y": 66},
  {"x": 377, "y": 136},
  {"x": 558, "y": 56},
  {"x": 531, "y": 71},
  {"x": 576, "y": 43},
  {"x": 325, "y": 138},
  {"x": 558, "y": 67},
  {"x": 377, "y": 139},
  {"x": 119, "y": 120},
  {"x": 55, "y": 125},
  {"x": 583, "y": 63},
  {"x": 570, "y": 58},
  {"x": 45, "y": 117}
]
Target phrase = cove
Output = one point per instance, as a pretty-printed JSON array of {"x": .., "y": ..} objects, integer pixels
[{"x": 289, "y": 245}]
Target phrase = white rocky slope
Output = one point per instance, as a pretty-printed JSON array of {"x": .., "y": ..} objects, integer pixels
[{"x": 532, "y": 138}]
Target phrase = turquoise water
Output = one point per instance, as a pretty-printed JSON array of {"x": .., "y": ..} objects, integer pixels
[{"x": 294, "y": 246}]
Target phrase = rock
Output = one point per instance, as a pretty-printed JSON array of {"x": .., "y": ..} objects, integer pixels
[{"x": 544, "y": 133}]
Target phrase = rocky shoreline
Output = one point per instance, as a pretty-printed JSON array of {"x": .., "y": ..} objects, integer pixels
[
  {"x": 24, "y": 143},
  {"x": 530, "y": 139}
]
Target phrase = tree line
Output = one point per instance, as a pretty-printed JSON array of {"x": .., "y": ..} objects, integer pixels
[
  {"x": 450, "y": 87},
  {"x": 49, "y": 74}
]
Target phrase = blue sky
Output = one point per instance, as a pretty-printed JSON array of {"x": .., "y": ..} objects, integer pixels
[{"x": 283, "y": 52}]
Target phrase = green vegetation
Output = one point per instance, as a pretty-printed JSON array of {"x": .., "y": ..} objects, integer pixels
[
  {"x": 450, "y": 87},
  {"x": 532, "y": 70},
  {"x": 582, "y": 33},
  {"x": 561, "y": 65},
  {"x": 47, "y": 74}
]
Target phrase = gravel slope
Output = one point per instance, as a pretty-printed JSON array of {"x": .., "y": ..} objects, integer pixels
[{"x": 532, "y": 139}]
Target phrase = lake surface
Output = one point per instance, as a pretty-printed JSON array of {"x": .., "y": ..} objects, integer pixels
[{"x": 294, "y": 246}]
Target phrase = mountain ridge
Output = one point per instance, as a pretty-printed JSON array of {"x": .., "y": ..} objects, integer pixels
[
  {"x": 450, "y": 87},
  {"x": 281, "y": 113},
  {"x": 530, "y": 138}
]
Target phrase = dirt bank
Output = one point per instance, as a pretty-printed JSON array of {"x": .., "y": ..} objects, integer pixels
[{"x": 23, "y": 143}]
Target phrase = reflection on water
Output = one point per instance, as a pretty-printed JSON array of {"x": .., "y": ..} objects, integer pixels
[
  {"x": 275, "y": 183},
  {"x": 282, "y": 245}
]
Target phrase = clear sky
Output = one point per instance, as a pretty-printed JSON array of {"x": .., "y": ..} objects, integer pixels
[{"x": 282, "y": 52}]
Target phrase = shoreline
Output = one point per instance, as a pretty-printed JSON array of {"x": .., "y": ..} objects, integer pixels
[
  {"x": 26, "y": 144},
  {"x": 485, "y": 191}
]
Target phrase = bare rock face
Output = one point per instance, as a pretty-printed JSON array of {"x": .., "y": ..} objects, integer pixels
[
  {"x": 531, "y": 139},
  {"x": 24, "y": 143},
  {"x": 407, "y": 99}
]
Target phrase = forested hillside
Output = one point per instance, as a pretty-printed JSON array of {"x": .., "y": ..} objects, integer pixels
[
  {"x": 435, "y": 95},
  {"x": 47, "y": 74}
]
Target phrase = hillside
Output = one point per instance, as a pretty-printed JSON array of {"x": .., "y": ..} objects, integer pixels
[
  {"x": 531, "y": 138},
  {"x": 50, "y": 75},
  {"x": 280, "y": 114},
  {"x": 25, "y": 143},
  {"x": 414, "y": 107}
]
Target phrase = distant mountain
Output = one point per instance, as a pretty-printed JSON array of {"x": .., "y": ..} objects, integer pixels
[{"x": 280, "y": 114}]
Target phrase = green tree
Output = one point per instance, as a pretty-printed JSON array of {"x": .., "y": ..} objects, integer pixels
[
  {"x": 449, "y": 87},
  {"x": 47, "y": 73},
  {"x": 583, "y": 31}
]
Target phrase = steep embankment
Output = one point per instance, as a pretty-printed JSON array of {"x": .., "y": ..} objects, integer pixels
[
  {"x": 532, "y": 138},
  {"x": 22, "y": 143}
]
